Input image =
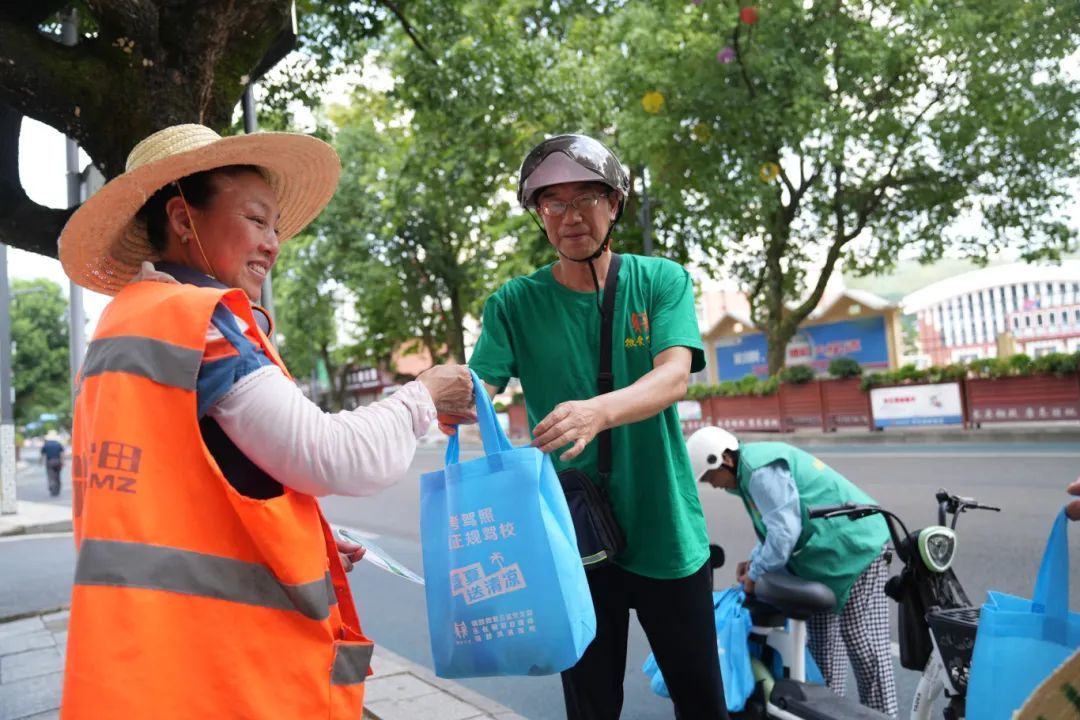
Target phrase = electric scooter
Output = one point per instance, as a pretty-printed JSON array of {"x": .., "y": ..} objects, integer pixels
[
  {"x": 779, "y": 609},
  {"x": 936, "y": 621}
]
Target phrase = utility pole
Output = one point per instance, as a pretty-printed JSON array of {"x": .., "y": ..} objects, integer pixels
[
  {"x": 250, "y": 126},
  {"x": 76, "y": 311},
  {"x": 7, "y": 418},
  {"x": 645, "y": 214},
  {"x": 281, "y": 46}
]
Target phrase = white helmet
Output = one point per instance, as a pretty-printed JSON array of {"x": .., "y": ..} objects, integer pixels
[{"x": 707, "y": 447}]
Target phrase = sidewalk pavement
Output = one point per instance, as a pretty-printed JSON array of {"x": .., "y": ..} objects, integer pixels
[
  {"x": 32, "y": 668},
  {"x": 35, "y": 517},
  {"x": 1027, "y": 432}
]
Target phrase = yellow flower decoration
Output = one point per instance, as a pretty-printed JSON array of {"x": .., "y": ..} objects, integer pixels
[
  {"x": 768, "y": 172},
  {"x": 652, "y": 101}
]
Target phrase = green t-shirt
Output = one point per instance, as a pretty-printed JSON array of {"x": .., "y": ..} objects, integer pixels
[{"x": 548, "y": 336}]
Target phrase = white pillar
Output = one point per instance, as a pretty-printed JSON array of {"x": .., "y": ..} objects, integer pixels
[{"x": 7, "y": 392}]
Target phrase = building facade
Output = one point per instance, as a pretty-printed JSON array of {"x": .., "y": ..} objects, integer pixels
[
  {"x": 1030, "y": 309},
  {"x": 849, "y": 323}
]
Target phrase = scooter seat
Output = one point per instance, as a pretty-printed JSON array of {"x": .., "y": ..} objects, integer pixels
[
  {"x": 793, "y": 596},
  {"x": 764, "y": 615}
]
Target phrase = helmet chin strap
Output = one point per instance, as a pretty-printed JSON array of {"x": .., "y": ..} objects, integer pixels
[
  {"x": 599, "y": 251},
  {"x": 592, "y": 268}
]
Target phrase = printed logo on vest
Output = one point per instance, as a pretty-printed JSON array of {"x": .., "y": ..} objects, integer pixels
[{"x": 89, "y": 470}]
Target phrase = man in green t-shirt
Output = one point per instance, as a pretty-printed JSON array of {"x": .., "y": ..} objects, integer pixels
[
  {"x": 779, "y": 483},
  {"x": 544, "y": 329}
]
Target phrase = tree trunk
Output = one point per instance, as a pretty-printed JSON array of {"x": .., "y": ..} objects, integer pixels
[
  {"x": 336, "y": 385},
  {"x": 456, "y": 330},
  {"x": 144, "y": 59},
  {"x": 778, "y": 340}
]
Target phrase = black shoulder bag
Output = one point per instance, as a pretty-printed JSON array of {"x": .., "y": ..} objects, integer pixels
[{"x": 599, "y": 537}]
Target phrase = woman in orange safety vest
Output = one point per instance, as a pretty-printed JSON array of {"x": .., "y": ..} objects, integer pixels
[{"x": 208, "y": 583}]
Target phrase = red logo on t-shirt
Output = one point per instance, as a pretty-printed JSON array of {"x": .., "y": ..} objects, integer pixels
[{"x": 639, "y": 323}]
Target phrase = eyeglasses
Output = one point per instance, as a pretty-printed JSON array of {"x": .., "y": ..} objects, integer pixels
[{"x": 558, "y": 208}]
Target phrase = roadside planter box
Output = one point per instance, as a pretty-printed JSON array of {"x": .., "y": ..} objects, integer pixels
[
  {"x": 519, "y": 421},
  {"x": 747, "y": 412},
  {"x": 1019, "y": 399},
  {"x": 694, "y": 415},
  {"x": 801, "y": 405},
  {"x": 917, "y": 404},
  {"x": 844, "y": 404}
]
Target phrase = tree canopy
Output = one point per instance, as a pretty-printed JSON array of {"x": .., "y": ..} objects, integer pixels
[
  {"x": 783, "y": 139},
  {"x": 429, "y": 162},
  {"x": 39, "y": 334},
  {"x": 778, "y": 141}
]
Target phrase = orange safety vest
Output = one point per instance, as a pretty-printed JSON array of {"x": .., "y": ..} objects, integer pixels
[{"x": 191, "y": 600}]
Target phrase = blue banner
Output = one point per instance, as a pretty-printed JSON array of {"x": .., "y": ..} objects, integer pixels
[{"x": 863, "y": 340}]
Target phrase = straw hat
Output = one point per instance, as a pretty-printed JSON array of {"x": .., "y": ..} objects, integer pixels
[{"x": 103, "y": 244}]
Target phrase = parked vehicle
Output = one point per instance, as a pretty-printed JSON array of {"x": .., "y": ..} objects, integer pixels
[{"x": 936, "y": 621}]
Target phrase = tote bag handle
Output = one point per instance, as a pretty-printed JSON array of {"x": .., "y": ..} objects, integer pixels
[
  {"x": 491, "y": 433},
  {"x": 1051, "y": 595}
]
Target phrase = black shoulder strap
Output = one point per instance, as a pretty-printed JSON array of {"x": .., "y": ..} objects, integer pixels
[{"x": 606, "y": 381}]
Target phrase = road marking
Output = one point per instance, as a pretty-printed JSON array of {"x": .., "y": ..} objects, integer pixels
[
  {"x": 35, "y": 536},
  {"x": 895, "y": 649}
]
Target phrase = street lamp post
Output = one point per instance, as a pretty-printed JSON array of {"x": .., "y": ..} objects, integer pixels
[
  {"x": 7, "y": 418},
  {"x": 75, "y": 182},
  {"x": 645, "y": 213},
  {"x": 281, "y": 46}
]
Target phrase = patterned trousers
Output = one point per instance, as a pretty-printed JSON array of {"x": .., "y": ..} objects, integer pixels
[{"x": 864, "y": 627}]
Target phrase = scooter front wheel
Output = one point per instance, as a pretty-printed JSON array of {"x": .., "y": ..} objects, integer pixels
[{"x": 930, "y": 686}]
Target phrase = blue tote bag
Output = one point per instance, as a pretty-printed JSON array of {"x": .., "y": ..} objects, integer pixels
[
  {"x": 1020, "y": 642},
  {"x": 733, "y": 626},
  {"x": 506, "y": 590}
]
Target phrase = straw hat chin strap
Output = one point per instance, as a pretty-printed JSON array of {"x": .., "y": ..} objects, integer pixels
[{"x": 194, "y": 232}]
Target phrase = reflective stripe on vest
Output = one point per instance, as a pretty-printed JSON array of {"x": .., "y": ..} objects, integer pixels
[
  {"x": 162, "y": 362},
  {"x": 154, "y": 567},
  {"x": 351, "y": 663}
]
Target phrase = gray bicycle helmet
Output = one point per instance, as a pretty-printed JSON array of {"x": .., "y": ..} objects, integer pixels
[{"x": 570, "y": 158}]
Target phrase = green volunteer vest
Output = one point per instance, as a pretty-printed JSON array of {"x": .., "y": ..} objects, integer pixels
[{"x": 833, "y": 551}]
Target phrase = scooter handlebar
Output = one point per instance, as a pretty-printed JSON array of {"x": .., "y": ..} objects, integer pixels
[{"x": 825, "y": 511}]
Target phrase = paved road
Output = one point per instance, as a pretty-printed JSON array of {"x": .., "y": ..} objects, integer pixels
[{"x": 995, "y": 550}]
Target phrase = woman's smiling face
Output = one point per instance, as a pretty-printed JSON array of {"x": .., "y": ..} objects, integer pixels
[{"x": 237, "y": 231}]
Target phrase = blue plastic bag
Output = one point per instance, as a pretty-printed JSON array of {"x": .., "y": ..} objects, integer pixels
[
  {"x": 506, "y": 590},
  {"x": 733, "y": 626},
  {"x": 1020, "y": 642}
]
